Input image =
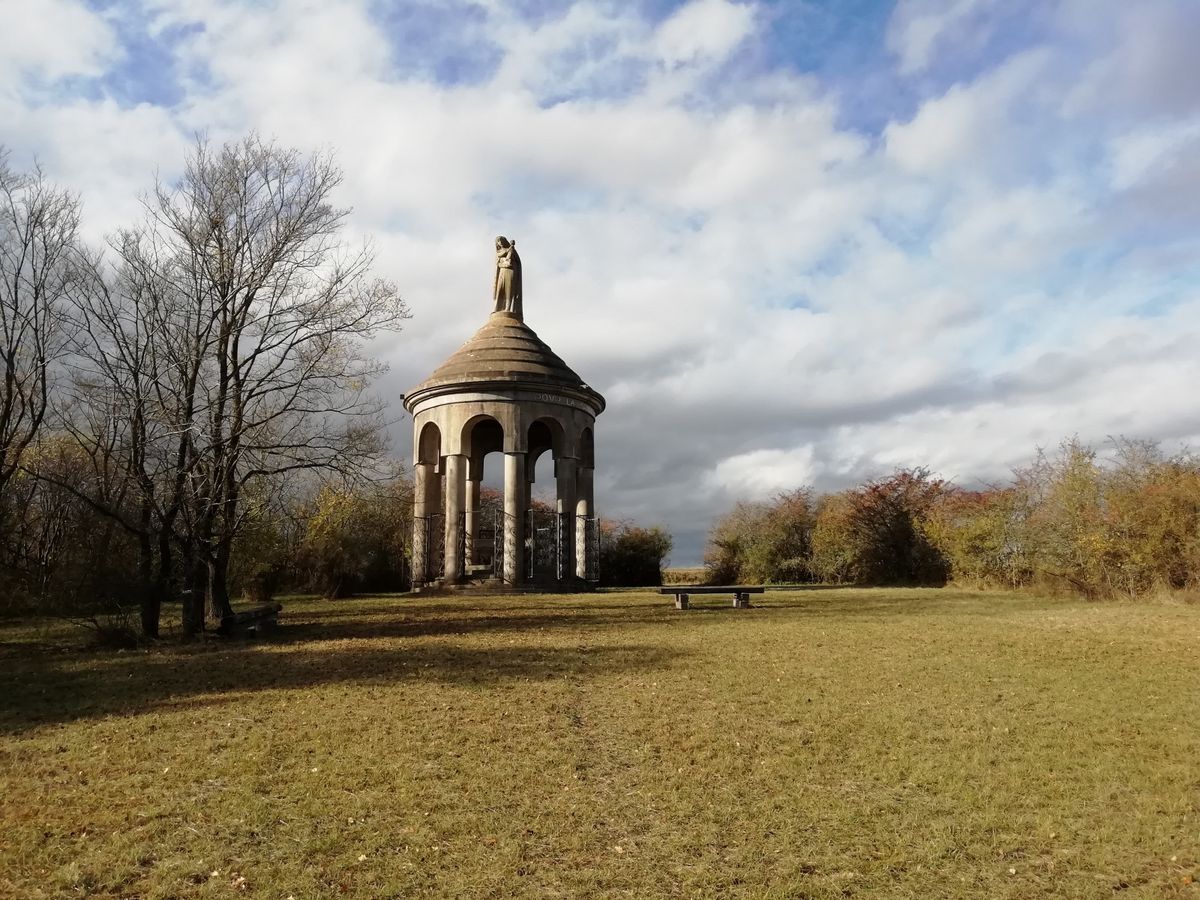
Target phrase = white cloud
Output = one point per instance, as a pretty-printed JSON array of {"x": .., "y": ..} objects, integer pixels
[
  {"x": 108, "y": 153},
  {"x": 972, "y": 125},
  {"x": 1143, "y": 62},
  {"x": 704, "y": 31},
  {"x": 918, "y": 27},
  {"x": 1012, "y": 231},
  {"x": 1139, "y": 154},
  {"x": 569, "y": 54},
  {"x": 760, "y": 474},
  {"x": 52, "y": 39}
]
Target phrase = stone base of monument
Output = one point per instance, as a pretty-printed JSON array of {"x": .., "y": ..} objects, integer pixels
[{"x": 494, "y": 586}]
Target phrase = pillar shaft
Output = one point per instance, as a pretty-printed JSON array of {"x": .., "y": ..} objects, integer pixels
[
  {"x": 456, "y": 470},
  {"x": 516, "y": 487},
  {"x": 424, "y": 505},
  {"x": 566, "y": 471},
  {"x": 584, "y": 503}
]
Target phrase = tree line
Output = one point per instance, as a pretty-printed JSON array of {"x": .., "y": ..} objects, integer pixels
[
  {"x": 165, "y": 396},
  {"x": 1125, "y": 525}
]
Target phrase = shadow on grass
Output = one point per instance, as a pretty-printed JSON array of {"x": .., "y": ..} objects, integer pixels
[
  {"x": 45, "y": 689},
  {"x": 380, "y": 618},
  {"x": 388, "y": 640},
  {"x": 372, "y": 623}
]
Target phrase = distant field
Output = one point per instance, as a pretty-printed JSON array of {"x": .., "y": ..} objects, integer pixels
[
  {"x": 828, "y": 743},
  {"x": 694, "y": 575}
]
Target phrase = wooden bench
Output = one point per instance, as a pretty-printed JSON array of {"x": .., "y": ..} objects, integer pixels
[
  {"x": 741, "y": 593},
  {"x": 251, "y": 621}
]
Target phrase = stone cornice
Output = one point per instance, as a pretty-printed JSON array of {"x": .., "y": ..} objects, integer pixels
[{"x": 509, "y": 389}]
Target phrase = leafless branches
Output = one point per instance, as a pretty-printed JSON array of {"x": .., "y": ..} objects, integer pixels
[
  {"x": 40, "y": 272},
  {"x": 221, "y": 352}
]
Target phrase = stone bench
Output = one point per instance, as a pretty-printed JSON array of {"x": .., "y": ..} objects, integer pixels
[
  {"x": 251, "y": 621},
  {"x": 741, "y": 593}
]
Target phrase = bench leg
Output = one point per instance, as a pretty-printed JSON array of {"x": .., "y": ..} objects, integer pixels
[
  {"x": 741, "y": 601},
  {"x": 681, "y": 601}
]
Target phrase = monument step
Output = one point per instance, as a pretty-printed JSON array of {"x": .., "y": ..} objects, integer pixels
[{"x": 498, "y": 587}]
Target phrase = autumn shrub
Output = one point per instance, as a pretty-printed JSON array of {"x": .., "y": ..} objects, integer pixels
[
  {"x": 836, "y": 545},
  {"x": 58, "y": 555},
  {"x": 357, "y": 539},
  {"x": 632, "y": 556},
  {"x": 260, "y": 563},
  {"x": 982, "y": 536},
  {"x": 1122, "y": 527},
  {"x": 767, "y": 543},
  {"x": 877, "y": 533}
]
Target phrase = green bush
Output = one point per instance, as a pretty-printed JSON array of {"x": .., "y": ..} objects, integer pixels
[{"x": 631, "y": 556}]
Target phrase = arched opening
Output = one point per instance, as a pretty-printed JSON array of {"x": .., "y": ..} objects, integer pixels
[
  {"x": 428, "y": 506},
  {"x": 542, "y": 538},
  {"x": 482, "y": 435},
  {"x": 544, "y": 435},
  {"x": 429, "y": 446},
  {"x": 483, "y": 524},
  {"x": 541, "y": 478}
]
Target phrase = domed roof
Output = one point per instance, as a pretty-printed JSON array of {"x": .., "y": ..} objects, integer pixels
[{"x": 504, "y": 349}]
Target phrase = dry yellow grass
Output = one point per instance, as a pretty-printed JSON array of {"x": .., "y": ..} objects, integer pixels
[
  {"x": 827, "y": 743},
  {"x": 694, "y": 575}
]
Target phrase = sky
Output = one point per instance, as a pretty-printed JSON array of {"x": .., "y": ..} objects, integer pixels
[{"x": 792, "y": 243}]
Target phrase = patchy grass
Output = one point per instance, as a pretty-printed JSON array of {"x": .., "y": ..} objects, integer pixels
[{"x": 827, "y": 743}]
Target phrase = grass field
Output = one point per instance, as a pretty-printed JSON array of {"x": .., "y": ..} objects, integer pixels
[{"x": 828, "y": 743}]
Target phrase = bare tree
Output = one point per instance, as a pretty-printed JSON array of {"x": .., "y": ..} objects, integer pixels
[
  {"x": 119, "y": 422},
  {"x": 261, "y": 316},
  {"x": 39, "y": 272}
]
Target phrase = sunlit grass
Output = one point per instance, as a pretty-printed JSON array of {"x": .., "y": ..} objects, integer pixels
[{"x": 827, "y": 743}]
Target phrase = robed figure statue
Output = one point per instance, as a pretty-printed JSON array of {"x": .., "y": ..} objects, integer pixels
[{"x": 506, "y": 289}]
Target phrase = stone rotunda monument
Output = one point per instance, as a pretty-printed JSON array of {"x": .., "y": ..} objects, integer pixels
[{"x": 504, "y": 391}]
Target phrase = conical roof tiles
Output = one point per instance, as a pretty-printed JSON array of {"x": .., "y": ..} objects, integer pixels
[{"x": 504, "y": 349}]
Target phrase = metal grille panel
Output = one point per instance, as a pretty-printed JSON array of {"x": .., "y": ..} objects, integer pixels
[
  {"x": 435, "y": 544},
  {"x": 592, "y": 548},
  {"x": 542, "y": 556},
  {"x": 565, "y": 533},
  {"x": 462, "y": 546},
  {"x": 497, "y": 526}
]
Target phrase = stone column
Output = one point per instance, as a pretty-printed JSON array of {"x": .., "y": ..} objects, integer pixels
[
  {"x": 456, "y": 471},
  {"x": 516, "y": 492},
  {"x": 583, "y": 510},
  {"x": 472, "y": 526},
  {"x": 565, "y": 471},
  {"x": 424, "y": 480}
]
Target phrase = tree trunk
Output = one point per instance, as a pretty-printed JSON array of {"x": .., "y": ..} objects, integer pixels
[
  {"x": 151, "y": 612},
  {"x": 193, "y": 596},
  {"x": 166, "y": 567},
  {"x": 218, "y": 606}
]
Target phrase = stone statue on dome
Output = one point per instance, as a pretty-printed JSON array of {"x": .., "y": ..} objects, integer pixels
[{"x": 506, "y": 287}]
